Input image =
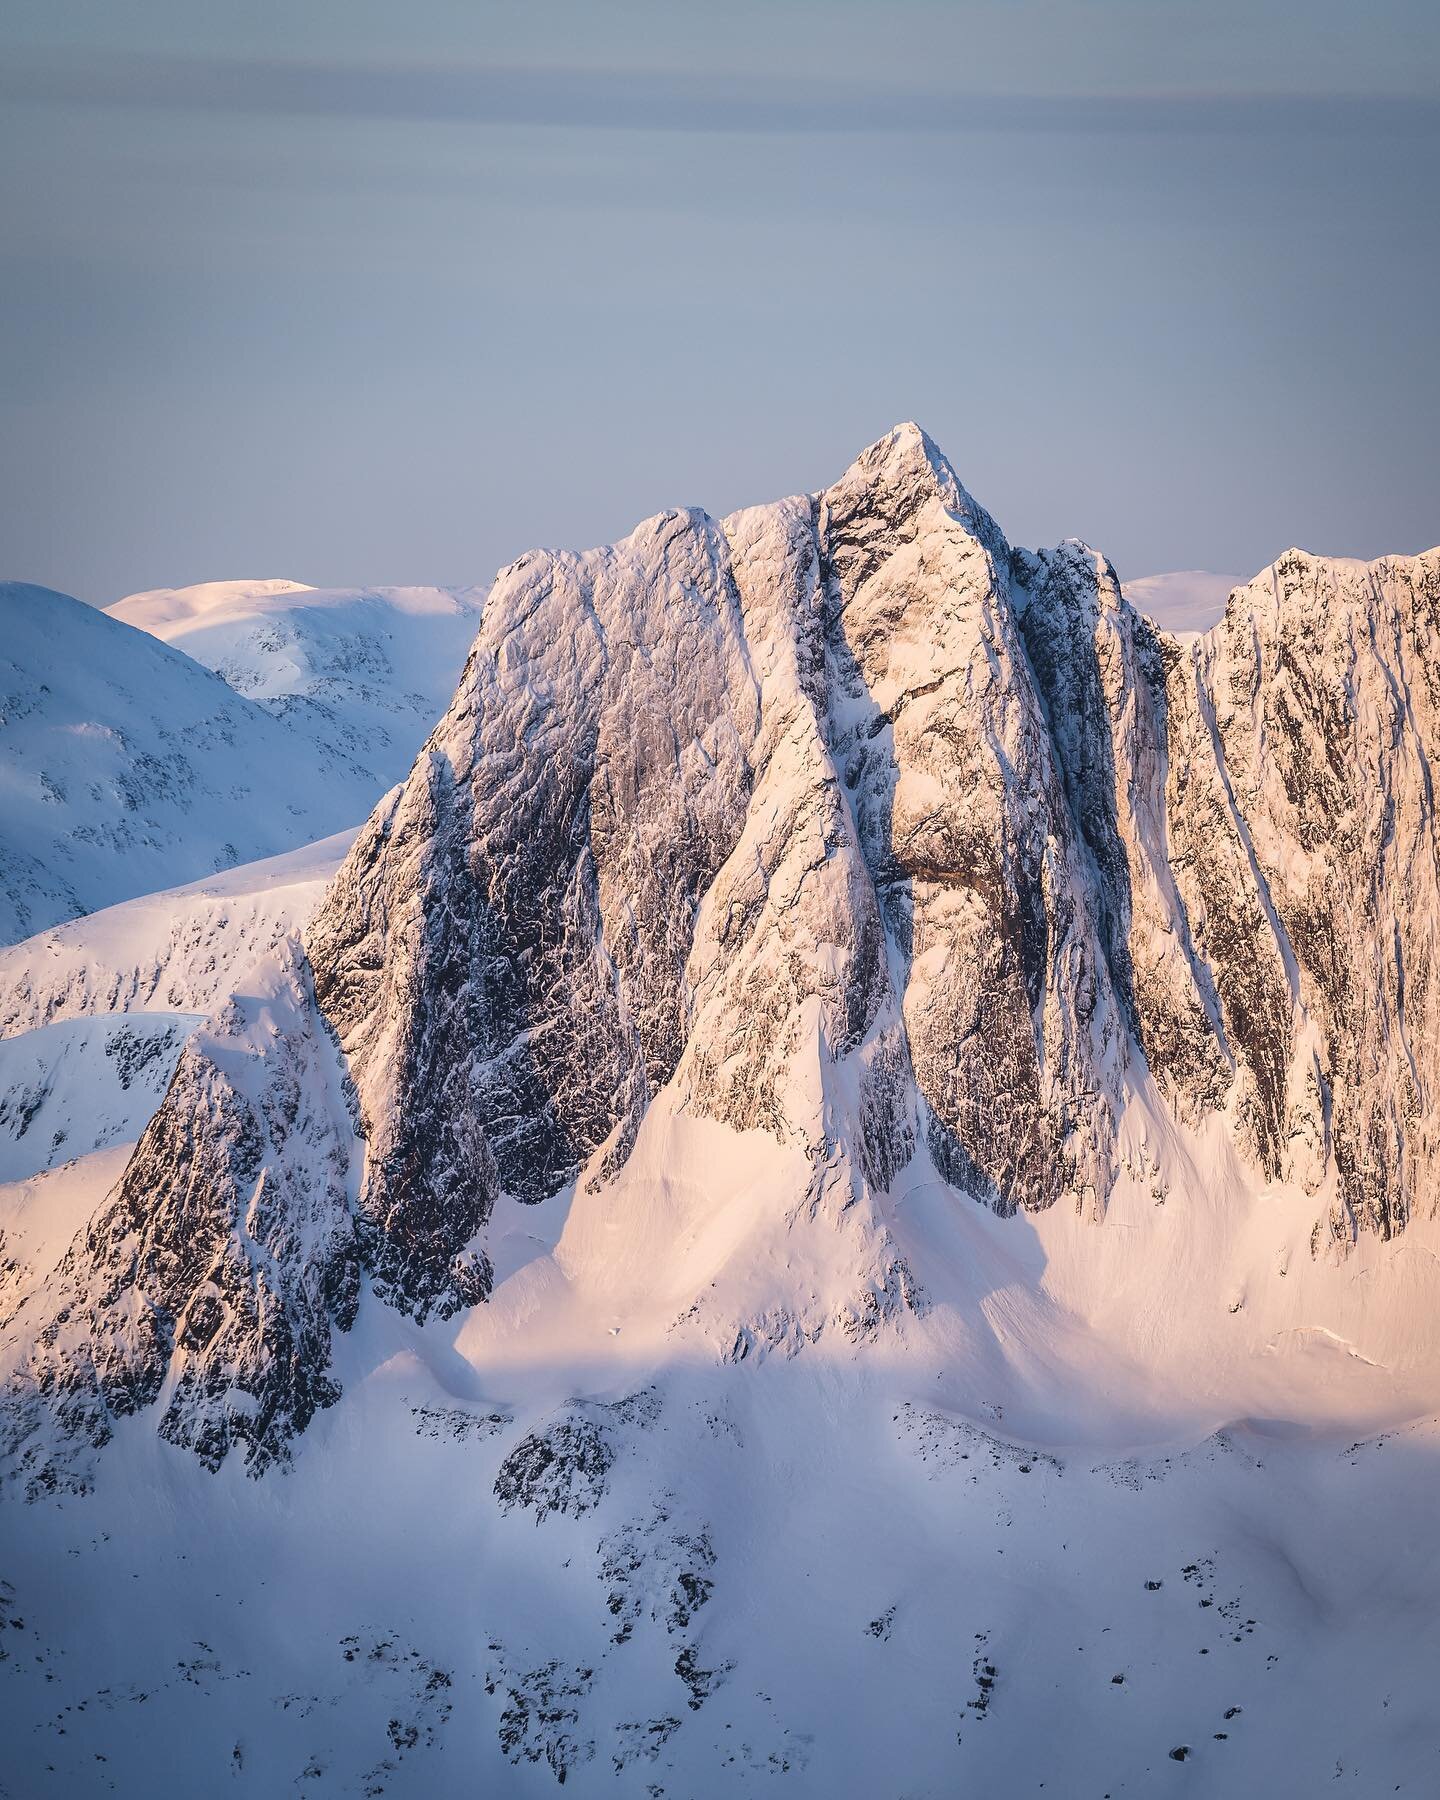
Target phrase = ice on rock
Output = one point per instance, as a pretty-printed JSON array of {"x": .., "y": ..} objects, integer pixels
[
  {"x": 843, "y": 823},
  {"x": 819, "y": 1194}
]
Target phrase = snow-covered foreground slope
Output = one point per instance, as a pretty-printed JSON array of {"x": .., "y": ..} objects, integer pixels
[
  {"x": 365, "y": 672},
  {"x": 837, "y": 1200},
  {"x": 126, "y": 767},
  {"x": 553, "y": 1543}
]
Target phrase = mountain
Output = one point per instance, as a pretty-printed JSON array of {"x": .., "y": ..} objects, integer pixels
[
  {"x": 364, "y": 672},
  {"x": 127, "y": 767},
  {"x": 836, "y": 1199}
]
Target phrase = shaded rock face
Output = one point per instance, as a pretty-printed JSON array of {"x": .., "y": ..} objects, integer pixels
[
  {"x": 840, "y": 820},
  {"x": 502, "y": 956},
  {"x": 212, "y": 1278},
  {"x": 1258, "y": 809},
  {"x": 1103, "y": 675}
]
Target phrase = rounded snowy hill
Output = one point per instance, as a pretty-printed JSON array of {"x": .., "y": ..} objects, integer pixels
[
  {"x": 364, "y": 671},
  {"x": 126, "y": 766},
  {"x": 1182, "y": 601}
]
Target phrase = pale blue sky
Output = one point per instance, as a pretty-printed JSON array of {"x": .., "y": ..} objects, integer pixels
[{"x": 351, "y": 292}]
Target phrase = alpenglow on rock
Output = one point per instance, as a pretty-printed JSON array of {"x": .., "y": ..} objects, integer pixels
[{"x": 841, "y": 821}]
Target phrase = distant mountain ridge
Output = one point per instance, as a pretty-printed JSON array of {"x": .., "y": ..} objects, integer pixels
[
  {"x": 129, "y": 766},
  {"x": 364, "y": 671}
]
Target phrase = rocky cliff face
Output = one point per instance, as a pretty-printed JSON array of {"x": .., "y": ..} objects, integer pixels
[
  {"x": 502, "y": 955},
  {"x": 841, "y": 821},
  {"x": 1314, "y": 719},
  {"x": 209, "y": 1283}
]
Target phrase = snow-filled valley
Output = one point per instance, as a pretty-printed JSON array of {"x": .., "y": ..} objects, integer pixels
[{"x": 833, "y": 1196}]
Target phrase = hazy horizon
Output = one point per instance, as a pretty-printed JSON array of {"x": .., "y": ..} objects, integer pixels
[{"x": 328, "y": 295}]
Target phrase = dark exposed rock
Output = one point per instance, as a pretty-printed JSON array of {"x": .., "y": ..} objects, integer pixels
[
  {"x": 562, "y": 1469},
  {"x": 133, "y": 1051},
  {"x": 221, "y": 1264},
  {"x": 841, "y": 820},
  {"x": 541, "y": 1721},
  {"x": 457, "y": 1423},
  {"x": 701, "y": 1682},
  {"x": 657, "y": 1568}
]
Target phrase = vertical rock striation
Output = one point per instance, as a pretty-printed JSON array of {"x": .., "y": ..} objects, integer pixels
[{"x": 842, "y": 821}]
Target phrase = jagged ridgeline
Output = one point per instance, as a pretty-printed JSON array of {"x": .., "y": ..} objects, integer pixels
[{"x": 838, "y": 820}]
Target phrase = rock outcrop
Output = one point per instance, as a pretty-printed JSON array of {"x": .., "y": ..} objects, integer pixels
[
  {"x": 210, "y": 1282},
  {"x": 842, "y": 821}
]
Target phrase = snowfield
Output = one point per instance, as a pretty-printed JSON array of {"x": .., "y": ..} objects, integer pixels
[
  {"x": 183, "y": 949},
  {"x": 364, "y": 672},
  {"x": 833, "y": 1197},
  {"x": 126, "y": 767},
  {"x": 700, "y": 1558}
]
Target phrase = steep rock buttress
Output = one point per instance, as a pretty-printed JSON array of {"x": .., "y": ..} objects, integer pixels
[{"x": 840, "y": 821}]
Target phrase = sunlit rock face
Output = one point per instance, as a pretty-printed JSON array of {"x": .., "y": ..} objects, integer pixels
[
  {"x": 841, "y": 821},
  {"x": 1311, "y": 709},
  {"x": 742, "y": 802}
]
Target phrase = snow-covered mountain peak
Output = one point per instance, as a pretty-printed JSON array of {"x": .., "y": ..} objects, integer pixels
[
  {"x": 861, "y": 1120},
  {"x": 1334, "y": 602},
  {"x": 902, "y": 453},
  {"x": 902, "y": 473},
  {"x": 840, "y": 821}
]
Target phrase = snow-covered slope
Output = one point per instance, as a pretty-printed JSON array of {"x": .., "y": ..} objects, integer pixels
[
  {"x": 184, "y": 949},
  {"x": 82, "y": 1085},
  {"x": 365, "y": 672},
  {"x": 837, "y": 1200},
  {"x": 126, "y": 767},
  {"x": 94, "y": 1014}
]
